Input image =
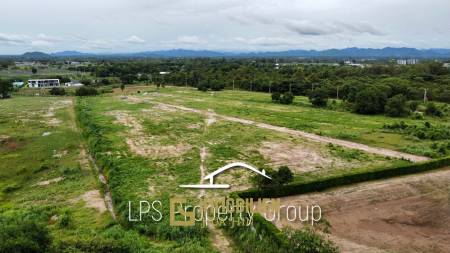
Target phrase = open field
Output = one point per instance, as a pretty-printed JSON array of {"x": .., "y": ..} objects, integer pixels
[
  {"x": 147, "y": 143},
  {"x": 406, "y": 214},
  {"x": 46, "y": 174},
  {"x": 299, "y": 116}
]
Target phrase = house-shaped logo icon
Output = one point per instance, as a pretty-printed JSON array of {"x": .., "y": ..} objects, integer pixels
[{"x": 211, "y": 176}]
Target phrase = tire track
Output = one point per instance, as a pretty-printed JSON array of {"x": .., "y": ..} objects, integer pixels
[{"x": 310, "y": 136}]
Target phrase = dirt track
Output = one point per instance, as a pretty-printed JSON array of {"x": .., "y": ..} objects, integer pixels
[
  {"x": 406, "y": 214},
  {"x": 314, "y": 137}
]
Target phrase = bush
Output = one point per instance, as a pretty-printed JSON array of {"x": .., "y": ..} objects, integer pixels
[
  {"x": 330, "y": 182},
  {"x": 55, "y": 91},
  {"x": 86, "y": 91},
  {"x": 282, "y": 176},
  {"x": 370, "y": 100},
  {"x": 204, "y": 86},
  {"x": 276, "y": 97},
  {"x": 287, "y": 98},
  {"x": 23, "y": 235},
  {"x": 217, "y": 86},
  {"x": 318, "y": 97},
  {"x": 413, "y": 105},
  {"x": 306, "y": 240},
  {"x": 86, "y": 82},
  {"x": 396, "y": 106},
  {"x": 105, "y": 81},
  {"x": 433, "y": 110}
]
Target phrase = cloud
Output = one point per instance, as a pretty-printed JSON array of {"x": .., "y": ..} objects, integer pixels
[
  {"x": 13, "y": 39},
  {"x": 310, "y": 29},
  {"x": 361, "y": 28},
  {"x": 266, "y": 41},
  {"x": 191, "y": 40},
  {"x": 135, "y": 40}
]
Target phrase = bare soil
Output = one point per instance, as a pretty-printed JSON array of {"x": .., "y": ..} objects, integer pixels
[
  {"x": 406, "y": 214},
  {"x": 142, "y": 144},
  {"x": 299, "y": 157},
  {"x": 47, "y": 182},
  {"x": 93, "y": 199}
]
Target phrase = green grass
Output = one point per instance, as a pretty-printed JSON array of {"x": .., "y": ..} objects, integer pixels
[
  {"x": 27, "y": 157},
  {"x": 366, "y": 129}
]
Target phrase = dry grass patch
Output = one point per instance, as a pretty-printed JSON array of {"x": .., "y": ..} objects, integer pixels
[{"x": 142, "y": 144}]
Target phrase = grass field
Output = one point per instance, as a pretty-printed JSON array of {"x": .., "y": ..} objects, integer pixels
[
  {"x": 301, "y": 116},
  {"x": 146, "y": 149},
  {"x": 45, "y": 174}
]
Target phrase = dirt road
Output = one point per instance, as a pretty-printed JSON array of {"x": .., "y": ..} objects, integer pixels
[
  {"x": 406, "y": 214},
  {"x": 314, "y": 137}
]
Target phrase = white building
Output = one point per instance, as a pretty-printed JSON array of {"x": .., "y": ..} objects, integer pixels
[
  {"x": 18, "y": 84},
  {"x": 73, "y": 84},
  {"x": 43, "y": 83},
  {"x": 407, "y": 61}
]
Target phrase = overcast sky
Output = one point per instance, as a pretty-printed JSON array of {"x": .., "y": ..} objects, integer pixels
[{"x": 231, "y": 25}]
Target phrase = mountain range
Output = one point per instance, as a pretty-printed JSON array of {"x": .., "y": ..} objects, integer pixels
[{"x": 388, "y": 52}]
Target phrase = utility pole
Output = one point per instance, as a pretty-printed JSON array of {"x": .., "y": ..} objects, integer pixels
[
  {"x": 425, "y": 98},
  {"x": 290, "y": 87},
  {"x": 337, "y": 92},
  {"x": 233, "y": 84},
  {"x": 270, "y": 86}
]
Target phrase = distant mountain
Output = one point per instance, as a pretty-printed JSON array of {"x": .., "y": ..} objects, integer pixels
[
  {"x": 182, "y": 53},
  {"x": 353, "y": 52},
  {"x": 35, "y": 56},
  {"x": 71, "y": 54}
]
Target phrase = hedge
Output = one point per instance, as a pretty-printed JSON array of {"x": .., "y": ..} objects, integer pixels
[{"x": 326, "y": 183}]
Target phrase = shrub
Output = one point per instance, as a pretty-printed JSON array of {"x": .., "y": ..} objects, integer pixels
[
  {"x": 86, "y": 91},
  {"x": 276, "y": 97},
  {"x": 204, "y": 86},
  {"x": 413, "y": 105},
  {"x": 217, "y": 86},
  {"x": 306, "y": 240},
  {"x": 105, "y": 81},
  {"x": 287, "y": 98},
  {"x": 318, "y": 97},
  {"x": 86, "y": 82},
  {"x": 396, "y": 106},
  {"x": 55, "y": 91},
  {"x": 23, "y": 235},
  {"x": 433, "y": 110},
  {"x": 330, "y": 182}
]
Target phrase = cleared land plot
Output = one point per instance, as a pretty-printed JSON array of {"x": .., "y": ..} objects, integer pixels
[
  {"x": 299, "y": 116},
  {"x": 406, "y": 214},
  {"x": 171, "y": 146}
]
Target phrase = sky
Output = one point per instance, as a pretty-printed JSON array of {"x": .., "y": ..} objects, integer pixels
[{"x": 114, "y": 26}]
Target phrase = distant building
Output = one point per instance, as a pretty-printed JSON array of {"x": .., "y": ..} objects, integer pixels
[
  {"x": 43, "y": 83},
  {"x": 407, "y": 61},
  {"x": 164, "y": 73},
  {"x": 73, "y": 84},
  {"x": 446, "y": 65},
  {"x": 353, "y": 64},
  {"x": 18, "y": 84}
]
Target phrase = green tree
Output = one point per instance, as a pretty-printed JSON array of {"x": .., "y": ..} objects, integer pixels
[
  {"x": 5, "y": 88},
  {"x": 396, "y": 106},
  {"x": 319, "y": 97},
  {"x": 370, "y": 100},
  {"x": 34, "y": 70},
  {"x": 283, "y": 176}
]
